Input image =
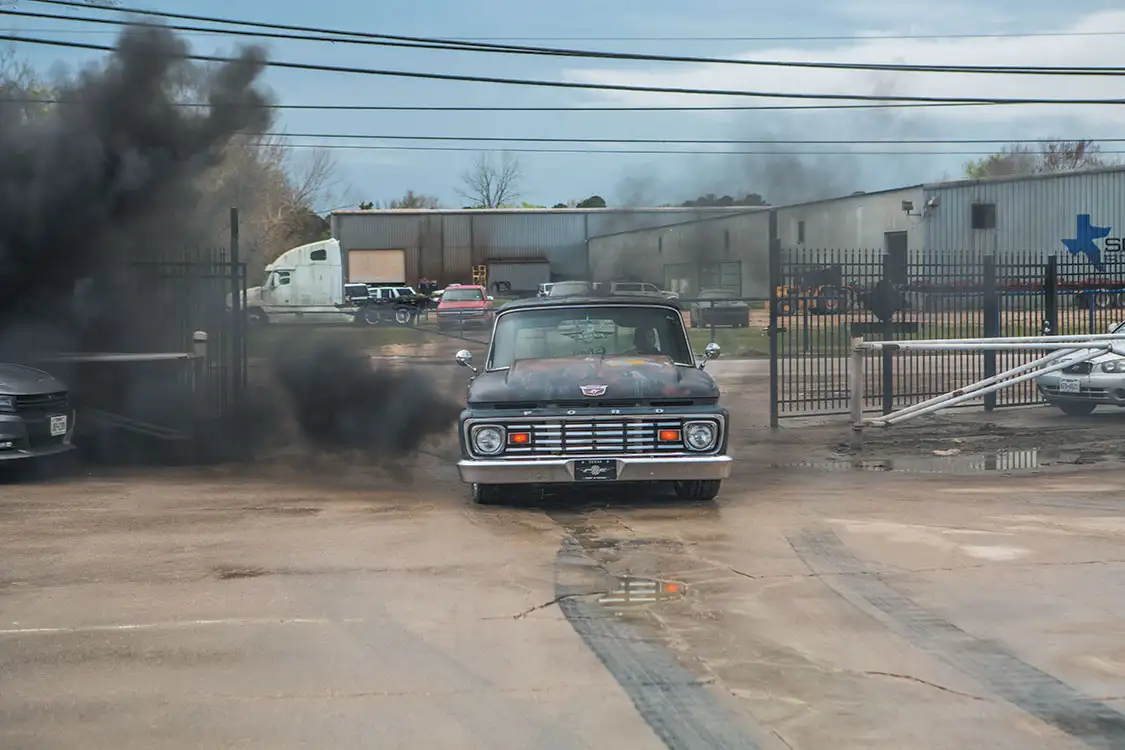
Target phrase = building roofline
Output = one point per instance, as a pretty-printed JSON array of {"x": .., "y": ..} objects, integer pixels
[
  {"x": 1023, "y": 177},
  {"x": 746, "y": 211},
  {"x": 476, "y": 211},
  {"x": 863, "y": 194}
]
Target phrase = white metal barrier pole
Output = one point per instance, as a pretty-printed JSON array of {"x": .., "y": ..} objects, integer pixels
[
  {"x": 856, "y": 391},
  {"x": 1073, "y": 338},
  {"x": 983, "y": 383},
  {"x": 894, "y": 418}
]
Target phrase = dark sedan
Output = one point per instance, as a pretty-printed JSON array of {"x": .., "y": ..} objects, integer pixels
[{"x": 719, "y": 307}]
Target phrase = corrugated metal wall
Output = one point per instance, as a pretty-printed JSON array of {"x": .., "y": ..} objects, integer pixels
[
  {"x": 649, "y": 254},
  {"x": 852, "y": 222},
  {"x": 446, "y": 245},
  {"x": 1033, "y": 215}
]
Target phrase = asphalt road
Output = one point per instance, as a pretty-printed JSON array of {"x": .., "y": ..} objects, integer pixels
[{"x": 316, "y": 603}]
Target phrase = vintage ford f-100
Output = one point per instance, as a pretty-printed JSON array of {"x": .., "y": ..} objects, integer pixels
[{"x": 592, "y": 390}]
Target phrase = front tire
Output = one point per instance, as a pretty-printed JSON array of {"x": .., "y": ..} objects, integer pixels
[
  {"x": 404, "y": 316},
  {"x": 1076, "y": 408},
  {"x": 491, "y": 494},
  {"x": 699, "y": 490},
  {"x": 255, "y": 317}
]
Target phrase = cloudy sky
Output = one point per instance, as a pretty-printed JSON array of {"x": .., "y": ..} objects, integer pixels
[{"x": 1081, "y": 32}]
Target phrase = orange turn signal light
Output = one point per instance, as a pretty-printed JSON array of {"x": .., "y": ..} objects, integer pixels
[
  {"x": 520, "y": 438},
  {"x": 669, "y": 436}
]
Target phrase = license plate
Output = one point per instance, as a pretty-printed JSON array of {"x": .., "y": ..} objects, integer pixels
[
  {"x": 58, "y": 426},
  {"x": 597, "y": 469},
  {"x": 1070, "y": 385}
]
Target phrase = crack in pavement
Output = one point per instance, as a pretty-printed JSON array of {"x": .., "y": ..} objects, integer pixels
[{"x": 920, "y": 681}]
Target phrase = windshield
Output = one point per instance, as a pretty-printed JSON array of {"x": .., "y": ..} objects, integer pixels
[
  {"x": 405, "y": 291},
  {"x": 462, "y": 295},
  {"x": 605, "y": 331}
]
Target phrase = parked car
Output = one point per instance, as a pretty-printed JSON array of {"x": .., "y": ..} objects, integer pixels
[
  {"x": 592, "y": 391},
  {"x": 464, "y": 306},
  {"x": 36, "y": 419},
  {"x": 1080, "y": 388},
  {"x": 398, "y": 303},
  {"x": 723, "y": 309},
  {"x": 572, "y": 289},
  {"x": 641, "y": 289}
]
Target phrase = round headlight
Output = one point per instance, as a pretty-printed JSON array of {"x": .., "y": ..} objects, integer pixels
[
  {"x": 700, "y": 436},
  {"x": 488, "y": 439}
]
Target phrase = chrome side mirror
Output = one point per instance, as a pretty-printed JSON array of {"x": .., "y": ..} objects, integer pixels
[
  {"x": 710, "y": 352},
  {"x": 465, "y": 359}
]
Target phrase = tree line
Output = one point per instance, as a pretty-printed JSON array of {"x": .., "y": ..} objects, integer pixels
[{"x": 492, "y": 183}]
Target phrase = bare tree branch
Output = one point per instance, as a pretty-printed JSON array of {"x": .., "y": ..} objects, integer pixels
[
  {"x": 413, "y": 200},
  {"x": 1056, "y": 155},
  {"x": 487, "y": 185}
]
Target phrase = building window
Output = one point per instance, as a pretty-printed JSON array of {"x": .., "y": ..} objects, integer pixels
[
  {"x": 984, "y": 216},
  {"x": 800, "y": 232}
]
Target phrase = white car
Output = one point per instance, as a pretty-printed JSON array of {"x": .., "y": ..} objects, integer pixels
[{"x": 1078, "y": 389}]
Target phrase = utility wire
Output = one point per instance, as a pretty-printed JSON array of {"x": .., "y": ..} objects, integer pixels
[
  {"x": 653, "y": 152},
  {"x": 478, "y": 108},
  {"x": 873, "y": 37},
  {"x": 686, "y": 141},
  {"x": 355, "y": 37},
  {"x": 576, "y": 85}
]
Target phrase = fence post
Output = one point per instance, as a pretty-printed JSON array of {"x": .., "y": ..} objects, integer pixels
[
  {"x": 888, "y": 355},
  {"x": 238, "y": 319},
  {"x": 1051, "y": 297},
  {"x": 991, "y": 323},
  {"x": 775, "y": 282}
]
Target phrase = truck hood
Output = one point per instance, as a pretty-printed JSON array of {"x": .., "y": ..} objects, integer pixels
[
  {"x": 628, "y": 378},
  {"x": 469, "y": 304},
  {"x": 17, "y": 380}
]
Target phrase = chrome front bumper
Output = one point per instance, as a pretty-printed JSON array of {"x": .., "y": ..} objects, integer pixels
[{"x": 556, "y": 471}]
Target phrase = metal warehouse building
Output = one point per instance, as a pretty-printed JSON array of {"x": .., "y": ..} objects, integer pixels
[
  {"x": 521, "y": 246},
  {"x": 1026, "y": 214},
  {"x": 730, "y": 252}
]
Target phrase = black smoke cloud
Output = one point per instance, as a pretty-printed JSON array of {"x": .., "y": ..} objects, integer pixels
[
  {"x": 339, "y": 401},
  {"x": 108, "y": 177}
]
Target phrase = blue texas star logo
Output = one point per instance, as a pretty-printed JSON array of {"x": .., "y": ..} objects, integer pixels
[{"x": 1083, "y": 242}]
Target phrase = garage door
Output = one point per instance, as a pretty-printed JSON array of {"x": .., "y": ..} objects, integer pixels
[{"x": 377, "y": 266}]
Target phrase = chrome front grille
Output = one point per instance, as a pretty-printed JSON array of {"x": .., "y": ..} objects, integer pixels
[{"x": 593, "y": 436}]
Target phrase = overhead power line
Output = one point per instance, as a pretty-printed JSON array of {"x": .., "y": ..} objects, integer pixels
[
  {"x": 651, "y": 152},
  {"x": 355, "y": 37},
  {"x": 691, "y": 141},
  {"x": 582, "y": 86},
  {"x": 578, "y": 108}
]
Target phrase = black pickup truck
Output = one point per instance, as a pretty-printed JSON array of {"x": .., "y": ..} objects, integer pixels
[{"x": 592, "y": 390}]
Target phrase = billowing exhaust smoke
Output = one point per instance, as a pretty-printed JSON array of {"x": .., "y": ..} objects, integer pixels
[{"x": 110, "y": 176}]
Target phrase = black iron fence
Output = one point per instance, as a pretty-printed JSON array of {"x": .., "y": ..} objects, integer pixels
[{"x": 820, "y": 299}]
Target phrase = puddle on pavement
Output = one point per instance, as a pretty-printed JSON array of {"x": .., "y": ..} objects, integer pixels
[
  {"x": 955, "y": 462},
  {"x": 634, "y": 592}
]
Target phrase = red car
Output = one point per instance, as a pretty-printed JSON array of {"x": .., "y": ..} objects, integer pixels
[{"x": 464, "y": 306}]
